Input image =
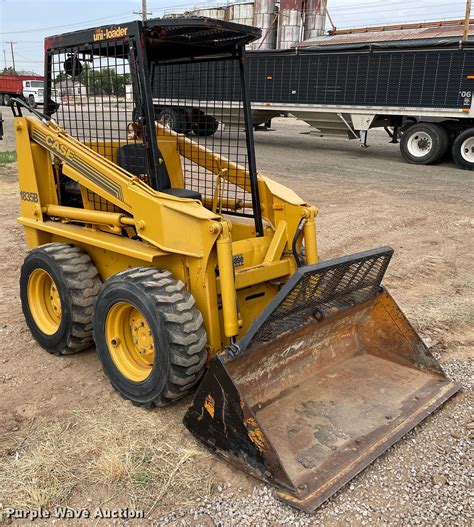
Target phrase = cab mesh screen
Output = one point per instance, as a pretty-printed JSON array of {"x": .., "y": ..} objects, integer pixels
[{"x": 203, "y": 100}]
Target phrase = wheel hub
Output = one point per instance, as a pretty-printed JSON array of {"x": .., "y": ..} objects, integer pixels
[
  {"x": 130, "y": 341},
  {"x": 55, "y": 299},
  {"x": 420, "y": 144},
  {"x": 44, "y": 301},
  {"x": 142, "y": 337},
  {"x": 423, "y": 144},
  {"x": 467, "y": 150}
]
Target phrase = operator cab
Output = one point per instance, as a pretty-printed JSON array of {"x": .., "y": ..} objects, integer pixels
[{"x": 166, "y": 100}]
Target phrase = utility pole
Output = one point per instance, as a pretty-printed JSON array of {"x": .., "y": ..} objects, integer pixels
[
  {"x": 143, "y": 12},
  {"x": 467, "y": 19},
  {"x": 13, "y": 53},
  {"x": 5, "y": 57}
]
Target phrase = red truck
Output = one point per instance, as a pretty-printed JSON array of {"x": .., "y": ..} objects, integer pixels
[{"x": 28, "y": 87}]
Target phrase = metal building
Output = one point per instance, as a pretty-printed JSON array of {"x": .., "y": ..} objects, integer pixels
[
  {"x": 211, "y": 12},
  {"x": 240, "y": 13},
  {"x": 284, "y": 23},
  {"x": 290, "y": 23},
  {"x": 265, "y": 16},
  {"x": 314, "y": 18}
]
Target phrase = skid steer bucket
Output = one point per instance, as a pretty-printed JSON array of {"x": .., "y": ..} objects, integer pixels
[{"x": 328, "y": 377}]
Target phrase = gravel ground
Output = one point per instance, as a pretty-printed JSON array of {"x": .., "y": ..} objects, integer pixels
[{"x": 425, "y": 479}]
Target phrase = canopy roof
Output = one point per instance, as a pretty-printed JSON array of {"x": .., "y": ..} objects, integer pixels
[{"x": 165, "y": 38}]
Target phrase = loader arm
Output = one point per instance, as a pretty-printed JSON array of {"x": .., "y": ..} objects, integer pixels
[{"x": 150, "y": 210}]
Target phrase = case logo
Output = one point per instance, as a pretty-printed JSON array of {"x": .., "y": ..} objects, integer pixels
[
  {"x": 109, "y": 33},
  {"x": 59, "y": 148}
]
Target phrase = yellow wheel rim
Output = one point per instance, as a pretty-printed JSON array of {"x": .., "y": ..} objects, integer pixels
[
  {"x": 44, "y": 301},
  {"x": 130, "y": 341}
]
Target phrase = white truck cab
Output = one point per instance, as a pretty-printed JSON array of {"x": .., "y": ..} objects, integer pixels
[{"x": 33, "y": 91}]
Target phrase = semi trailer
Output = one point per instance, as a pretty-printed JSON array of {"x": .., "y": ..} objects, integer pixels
[
  {"x": 419, "y": 90},
  {"x": 421, "y": 94}
]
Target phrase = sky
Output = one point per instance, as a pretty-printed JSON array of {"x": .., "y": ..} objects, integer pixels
[{"x": 27, "y": 23}]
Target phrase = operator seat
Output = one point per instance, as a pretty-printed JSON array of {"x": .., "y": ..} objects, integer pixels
[{"x": 132, "y": 158}]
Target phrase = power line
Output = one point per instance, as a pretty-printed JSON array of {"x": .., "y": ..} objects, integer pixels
[
  {"x": 29, "y": 61},
  {"x": 345, "y": 9},
  {"x": 66, "y": 26},
  {"x": 356, "y": 12},
  {"x": 377, "y": 4},
  {"x": 368, "y": 10}
]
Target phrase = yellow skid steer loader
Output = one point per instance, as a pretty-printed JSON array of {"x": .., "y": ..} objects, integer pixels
[{"x": 153, "y": 237}]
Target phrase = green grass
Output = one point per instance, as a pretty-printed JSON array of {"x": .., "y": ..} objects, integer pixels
[{"x": 7, "y": 157}]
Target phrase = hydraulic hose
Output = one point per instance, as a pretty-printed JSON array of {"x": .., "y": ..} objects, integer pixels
[{"x": 299, "y": 230}]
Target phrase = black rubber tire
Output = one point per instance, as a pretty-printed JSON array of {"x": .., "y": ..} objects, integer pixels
[
  {"x": 456, "y": 149},
  {"x": 78, "y": 284},
  {"x": 6, "y": 99},
  {"x": 31, "y": 101},
  {"x": 176, "y": 325},
  {"x": 175, "y": 119},
  {"x": 439, "y": 139},
  {"x": 410, "y": 121},
  {"x": 204, "y": 125}
]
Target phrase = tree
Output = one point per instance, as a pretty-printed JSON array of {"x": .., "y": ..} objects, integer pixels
[
  {"x": 61, "y": 76},
  {"x": 104, "y": 82},
  {"x": 9, "y": 71},
  {"x": 99, "y": 81}
]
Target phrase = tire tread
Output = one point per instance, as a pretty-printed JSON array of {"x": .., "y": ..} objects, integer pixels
[
  {"x": 83, "y": 282},
  {"x": 184, "y": 327}
]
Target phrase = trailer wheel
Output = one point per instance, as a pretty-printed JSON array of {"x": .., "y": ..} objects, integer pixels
[
  {"x": 205, "y": 125},
  {"x": 6, "y": 99},
  {"x": 173, "y": 119},
  {"x": 150, "y": 336},
  {"x": 463, "y": 149},
  {"x": 58, "y": 288},
  {"x": 424, "y": 143}
]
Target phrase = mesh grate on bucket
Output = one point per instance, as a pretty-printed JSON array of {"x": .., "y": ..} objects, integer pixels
[{"x": 323, "y": 288}]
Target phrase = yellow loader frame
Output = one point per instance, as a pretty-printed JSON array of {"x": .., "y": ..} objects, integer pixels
[{"x": 268, "y": 261}]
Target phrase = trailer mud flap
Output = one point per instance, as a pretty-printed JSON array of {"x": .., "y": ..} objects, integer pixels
[{"x": 328, "y": 377}]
